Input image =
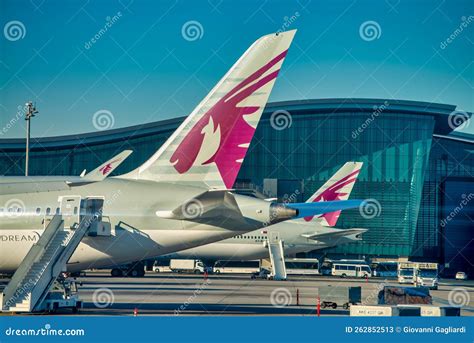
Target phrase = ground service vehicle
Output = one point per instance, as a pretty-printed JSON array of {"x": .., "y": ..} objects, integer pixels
[
  {"x": 135, "y": 269},
  {"x": 62, "y": 296},
  {"x": 187, "y": 266},
  {"x": 426, "y": 274},
  {"x": 236, "y": 266},
  {"x": 339, "y": 296},
  {"x": 302, "y": 266},
  {"x": 262, "y": 274},
  {"x": 386, "y": 269},
  {"x": 161, "y": 266},
  {"x": 347, "y": 268},
  {"x": 406, "y": 272}
]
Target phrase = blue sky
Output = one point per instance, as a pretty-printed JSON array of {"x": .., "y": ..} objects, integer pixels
[{"x": 142, "y": 68}]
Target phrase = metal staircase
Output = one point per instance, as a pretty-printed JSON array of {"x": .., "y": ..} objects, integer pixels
[
  {"x": 29, "y": 287},
  {"x": 277, "y": 257}
]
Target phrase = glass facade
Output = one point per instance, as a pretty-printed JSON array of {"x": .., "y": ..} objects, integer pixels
[
  {"x": 448, "y": 187},
  {"x": 410, "y": 166},
  {"x": 394, "y": 149}
]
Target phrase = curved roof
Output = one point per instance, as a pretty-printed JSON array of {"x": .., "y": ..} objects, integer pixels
[{"x": 440, "y": 112}]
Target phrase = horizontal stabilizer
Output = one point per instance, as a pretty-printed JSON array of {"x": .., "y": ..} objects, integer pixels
[
  {"x": 316, "y": 208},
  {"x": 334, "y": 234}
]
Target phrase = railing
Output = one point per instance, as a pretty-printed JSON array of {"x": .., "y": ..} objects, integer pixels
[
  {"x": 33, "y": 255},
  {"x": 16, "y": 297},
  {"x": 71, "y": 243},
  {"x": 48, "y": 269},
  {"x": 43, "y": 283}
]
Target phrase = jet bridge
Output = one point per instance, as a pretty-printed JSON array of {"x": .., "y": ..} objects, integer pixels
[{"x": 38, "y": 284}]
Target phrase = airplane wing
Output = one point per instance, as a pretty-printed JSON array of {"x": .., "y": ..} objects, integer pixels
[
  {"x": 333, "y": 234},
  {"x": 104, "y": 170}
]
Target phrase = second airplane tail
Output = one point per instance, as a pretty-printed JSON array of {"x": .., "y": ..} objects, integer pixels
[
  {"x": 104, "y": 170},
  {"x": 338, "y": 187}
]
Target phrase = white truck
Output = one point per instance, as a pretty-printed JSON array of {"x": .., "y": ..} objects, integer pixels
[
  {"x": 406, "y": 272},
  {"x": 426, "y": 274},
  {"x": 187, "y": 266}
]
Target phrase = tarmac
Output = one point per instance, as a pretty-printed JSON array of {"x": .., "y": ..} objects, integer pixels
[{"x": 237, "y": 294}]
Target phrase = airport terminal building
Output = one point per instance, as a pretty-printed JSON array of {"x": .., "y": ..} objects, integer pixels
[{"x": 418, "y": 172}]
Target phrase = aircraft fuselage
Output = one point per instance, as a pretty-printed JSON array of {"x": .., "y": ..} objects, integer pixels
[{"x": 130, "y": 206}]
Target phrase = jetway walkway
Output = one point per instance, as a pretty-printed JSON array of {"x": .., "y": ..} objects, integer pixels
[{"x": 41, "y": 269}]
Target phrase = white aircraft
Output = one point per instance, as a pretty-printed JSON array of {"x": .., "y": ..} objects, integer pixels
[
  {"x": 299, "y": 235},
  {"x": 180, "y": 197}
]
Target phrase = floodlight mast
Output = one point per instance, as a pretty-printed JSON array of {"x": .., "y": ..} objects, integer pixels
[{"x": 30, "y": 113}]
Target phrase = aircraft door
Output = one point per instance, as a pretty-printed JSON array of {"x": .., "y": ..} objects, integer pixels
[
  {"x": 92, "y": 208},
  {"x": 70, "y": 210},
  {"x": 274, "y": 237}
]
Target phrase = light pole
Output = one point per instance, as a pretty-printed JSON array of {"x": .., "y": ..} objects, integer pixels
[{"x": 30, "y": 113}]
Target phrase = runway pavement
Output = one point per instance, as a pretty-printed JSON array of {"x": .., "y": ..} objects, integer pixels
[{"x": 230, "y": 294}]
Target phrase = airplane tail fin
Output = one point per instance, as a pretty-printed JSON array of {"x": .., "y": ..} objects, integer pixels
[
  {"x": 104, "y": 170},
  {"x": 208, "y": 148},
  {"x": 338, "y": 187}
]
